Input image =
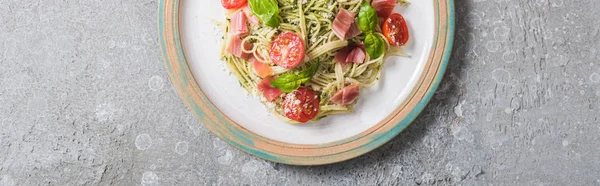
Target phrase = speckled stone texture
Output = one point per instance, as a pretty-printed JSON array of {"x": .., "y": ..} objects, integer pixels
[{"x": 85, "y": 100}]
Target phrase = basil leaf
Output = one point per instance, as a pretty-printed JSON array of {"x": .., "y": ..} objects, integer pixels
[
  {"x": 310, "y": 72},
  {"x": 367, "y": 18},
  {"x": 375, "y": 45},
  {"x": 266, "y": 10},
  {"x": 287, "y": 82},
  {"x": 290, "y": 82}
]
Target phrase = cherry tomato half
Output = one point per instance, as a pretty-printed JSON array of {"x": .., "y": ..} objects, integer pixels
[
  {"x": 233, "y": 4},
  {"x": 287, "y": 50},
  {"x": 301, "y": 105},
  {"x": 395, "y": 30}
]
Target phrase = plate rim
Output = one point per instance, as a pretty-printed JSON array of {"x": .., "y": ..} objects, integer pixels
[{"x": 294, "y": 154}]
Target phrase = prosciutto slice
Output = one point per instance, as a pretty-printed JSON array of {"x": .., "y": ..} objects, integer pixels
[
  {"x": 352, "y": 53},
  {"x": 251, "y": 18},
  {"x": 346, "y": 95},
  {"x": 268, "y": 91},
  {"x": 356, "y": 56},
  {"x": 239, "y": 29},
  {"x": 384, "y": 8},
  {"x": 239, "y": 24},
  {"x": 235, "y": 47},
  {"x": 342, "y": 55},
  {"x": 354, "y": 31},
  {"x": 344, "y": 25},
  {"x": 263, "y": 70}
]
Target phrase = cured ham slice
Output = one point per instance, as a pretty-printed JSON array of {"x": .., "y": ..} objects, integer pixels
[
  {"x": 346, "y": 95},
  {"x": 268, "y": 91},
  {"x": 344, "y": 25},
  {"x": 354, "y": 31},
  {"x": 251, "y": 18},
  {"x": 384, "y": 8},
  {"x": 342, "y": 55},
  {"x": 356, "y": 56},
  {"x": 263, "y": 70},
  {"x": 239, "y": 24},
  {"x": 352, "y": 53},
  {"x": 235, "y": 47}
]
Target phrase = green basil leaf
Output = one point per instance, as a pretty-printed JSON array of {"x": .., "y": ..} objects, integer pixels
[
  {"x": 375, "y": 45},
  {"x": 287, "y": 82},
  {"x": 310, "y": 72},
  {"x": 266, "y": 10},
  {"x": 290, "y": 82},
  {"x": 367, "y": 18}
]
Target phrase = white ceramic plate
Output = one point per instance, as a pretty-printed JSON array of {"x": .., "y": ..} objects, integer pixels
[
  {"x": 201, "y": 41},
  {"x": 191, "y": 43}
]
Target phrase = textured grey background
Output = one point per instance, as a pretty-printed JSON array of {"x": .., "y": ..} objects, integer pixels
[{"x": 85, "y": 99}]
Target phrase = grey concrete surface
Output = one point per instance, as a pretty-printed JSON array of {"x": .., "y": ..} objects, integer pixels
[{"x": 85, "y": 100}]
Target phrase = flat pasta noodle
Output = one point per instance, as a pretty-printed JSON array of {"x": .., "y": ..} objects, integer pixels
[{"x": 312, "y": 20}]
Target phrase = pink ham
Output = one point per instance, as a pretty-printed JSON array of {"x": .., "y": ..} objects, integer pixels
[
  {"x": 263, "y": 70},
  {"x": 344, "y": 25},
  {"x": 342, "y": 55},
  {"x": 251, "y": 18},
  {"x": 384, "y": 8},
  {"x": 254, "y": 20},
  {"x": 346, "y": 95},
  {"x": 351, "y": 54},
  {"x": 268, "y": 91},
  {"x": 239, "y": 29},
  {"x": 235, "y": 47},
  {"x": 239, "y": 24},
  {"x": 354, "y": 31},
  {"x": 356, "y": 56}
]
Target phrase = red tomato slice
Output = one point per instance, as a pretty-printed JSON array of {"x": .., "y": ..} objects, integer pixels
[
  {"x": 268, "y": 91},
  {"x": 233, "y": 4},
  {"x": 287, "y": 50},
  {"x": 301, "y": 105},
  {"x": 395, "y": 30}
]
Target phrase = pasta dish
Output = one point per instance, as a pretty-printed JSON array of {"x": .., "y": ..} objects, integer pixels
[{"x": 308, "y": 59}]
